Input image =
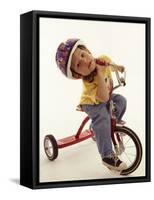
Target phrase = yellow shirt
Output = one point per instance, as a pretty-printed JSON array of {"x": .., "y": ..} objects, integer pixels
[{"x": 90, "y": 89}]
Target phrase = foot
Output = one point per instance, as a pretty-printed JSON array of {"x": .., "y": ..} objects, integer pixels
[{"x": 114, "y": 163}]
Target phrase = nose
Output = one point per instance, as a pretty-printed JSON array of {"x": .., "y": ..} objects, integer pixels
[{"x": 85, "y": 61}]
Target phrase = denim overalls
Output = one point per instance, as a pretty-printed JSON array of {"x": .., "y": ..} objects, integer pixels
[{"x": 101, "y": 122}]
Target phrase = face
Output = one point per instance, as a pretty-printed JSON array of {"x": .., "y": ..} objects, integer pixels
[{"x": 83, "y": 62}]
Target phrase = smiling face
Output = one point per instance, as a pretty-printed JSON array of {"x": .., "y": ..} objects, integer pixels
[{"x": 83, "y": 62}]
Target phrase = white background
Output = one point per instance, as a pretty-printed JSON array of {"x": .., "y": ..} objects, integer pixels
[
  {"x": 9, "y": 101},
  {"x": 59, "y": 96}
]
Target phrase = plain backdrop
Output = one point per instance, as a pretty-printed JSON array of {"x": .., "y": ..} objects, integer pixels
[
  {"x": 124, "y": 43},
  {"x": 9, "y": 101}
]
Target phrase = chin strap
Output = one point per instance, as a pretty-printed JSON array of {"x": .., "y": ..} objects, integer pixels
[{"x": 77, "y": 75}]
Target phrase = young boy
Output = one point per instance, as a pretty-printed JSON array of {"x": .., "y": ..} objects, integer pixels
[{"x": 76, "y": 62}]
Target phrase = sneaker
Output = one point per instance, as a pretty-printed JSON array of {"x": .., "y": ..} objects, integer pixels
[{"x": 114, "y": 163}]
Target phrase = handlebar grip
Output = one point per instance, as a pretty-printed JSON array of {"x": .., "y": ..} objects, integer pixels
[{"x": 122, "y": 81}]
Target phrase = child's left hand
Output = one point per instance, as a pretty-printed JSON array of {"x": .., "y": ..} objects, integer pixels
[{"x": 121, "y": 68}]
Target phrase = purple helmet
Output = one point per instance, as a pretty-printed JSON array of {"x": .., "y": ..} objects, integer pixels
[{"x": 64, "y": 55}]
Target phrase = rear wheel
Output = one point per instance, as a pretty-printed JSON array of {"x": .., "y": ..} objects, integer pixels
[
  {"x": 128, "y": 148},
  {"x": 50, "y": 147}
]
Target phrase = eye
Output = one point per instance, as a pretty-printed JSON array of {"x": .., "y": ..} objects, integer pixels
[{"x": 82, "y": 55}]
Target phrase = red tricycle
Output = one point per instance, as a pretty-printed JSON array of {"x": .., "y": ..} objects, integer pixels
[{"x": 126, "y": 143}]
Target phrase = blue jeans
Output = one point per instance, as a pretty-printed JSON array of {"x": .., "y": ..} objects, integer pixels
[{"x": 101, "y": 122}]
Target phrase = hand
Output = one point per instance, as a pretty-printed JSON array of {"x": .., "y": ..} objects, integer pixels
[
  {"x": 102, "y": 62},
  {"x": 121, "y": 68}
]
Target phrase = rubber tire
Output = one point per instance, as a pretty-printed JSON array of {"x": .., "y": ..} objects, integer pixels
[
  {"x": 138, "y": 145},
  {"x": 55, "y": 147}
]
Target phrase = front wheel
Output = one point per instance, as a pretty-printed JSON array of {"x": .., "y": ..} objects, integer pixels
[{"x": 128, "y": 147}]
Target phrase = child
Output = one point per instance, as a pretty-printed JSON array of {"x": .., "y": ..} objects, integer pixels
[{"x": 76, "y": 62}]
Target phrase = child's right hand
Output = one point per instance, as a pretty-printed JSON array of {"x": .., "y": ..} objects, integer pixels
[{"x": 102, "y": 62}]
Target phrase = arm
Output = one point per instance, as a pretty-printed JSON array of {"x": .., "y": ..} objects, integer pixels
[
  {"x": 102, "y": 90},
  {"x": 106, "y": 61}
]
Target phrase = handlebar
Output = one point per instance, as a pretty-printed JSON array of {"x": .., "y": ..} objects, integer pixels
[{"x": 121, "y": 79}]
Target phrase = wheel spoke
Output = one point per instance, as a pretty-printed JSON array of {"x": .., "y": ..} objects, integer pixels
[
  {"x": 131, "y": 154},
  {"x": 128, "y": 158},
  {"x": 129, "y": 147},
  {"x": 127, "y": 141}
]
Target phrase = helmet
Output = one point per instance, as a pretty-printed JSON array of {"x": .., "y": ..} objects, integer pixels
[{"x": 64, "y": 55}]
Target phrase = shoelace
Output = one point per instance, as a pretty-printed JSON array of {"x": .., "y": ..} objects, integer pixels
[{"x": 114, "y": 156}]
